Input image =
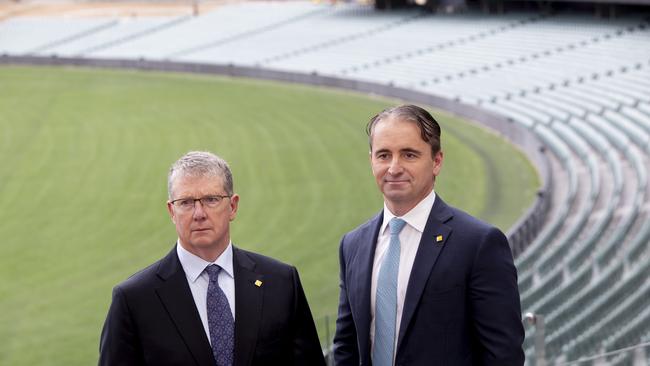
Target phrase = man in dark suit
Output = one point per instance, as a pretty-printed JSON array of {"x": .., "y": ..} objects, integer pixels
[
  {"x": 207, "y": 302},
  {"x": 423, "y": 283}
]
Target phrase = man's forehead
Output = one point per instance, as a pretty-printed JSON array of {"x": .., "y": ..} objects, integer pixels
[
  {"x": 397, "y": 132},
  {"x": 396, "y": 125},
  {"x": 191, "y": 183}
]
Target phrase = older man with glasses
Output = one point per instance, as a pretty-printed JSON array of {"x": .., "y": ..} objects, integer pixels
[{"x": 208, "y": 302}]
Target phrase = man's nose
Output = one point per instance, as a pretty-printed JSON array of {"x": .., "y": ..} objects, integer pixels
[
  {"x": 395, "y": 166},
  {"x": 199, "y": 211}
]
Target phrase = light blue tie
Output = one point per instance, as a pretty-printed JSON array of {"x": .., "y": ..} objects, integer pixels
[
  {"x": 386, "y": 299},
  {"x": 220, "y": 320}
]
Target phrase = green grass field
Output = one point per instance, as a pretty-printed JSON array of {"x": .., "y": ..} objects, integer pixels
[{"x": 83, "y": 161}]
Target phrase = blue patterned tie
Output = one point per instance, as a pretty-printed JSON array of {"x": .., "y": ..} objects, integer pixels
[
  {"x": 386, "y": 299},
  {"x": 220, "y": 320}
]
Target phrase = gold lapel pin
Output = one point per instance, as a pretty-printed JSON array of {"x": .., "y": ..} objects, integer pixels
[
  {"x": 438, "y": 238},
  {"x": 258, "y": 283}
]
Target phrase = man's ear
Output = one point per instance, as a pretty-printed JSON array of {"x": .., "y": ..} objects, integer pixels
[
  {"x": 234, "y": 205},
  {"x": 170, "y": 209},
  {"x": 437, "y": 162}
]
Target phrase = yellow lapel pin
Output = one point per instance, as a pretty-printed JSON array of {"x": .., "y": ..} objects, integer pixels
[
  {"x": 438, "y": 238},
  {"x": 258, "y": 283}
]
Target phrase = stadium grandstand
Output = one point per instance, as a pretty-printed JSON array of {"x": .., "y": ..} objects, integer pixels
[{"x": 574, "y": 75}]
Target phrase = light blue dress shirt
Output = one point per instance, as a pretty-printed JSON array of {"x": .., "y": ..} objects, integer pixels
[{"x": 198, "y": 280}]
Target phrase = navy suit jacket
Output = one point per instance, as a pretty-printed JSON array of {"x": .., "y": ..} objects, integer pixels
[
  {"x": 462, "y": 302},
  {"x": 152, "y": 319}
]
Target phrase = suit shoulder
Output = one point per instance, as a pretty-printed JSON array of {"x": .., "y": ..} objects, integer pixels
[
  {"x": 266, "y": 262},
  {"x": 470, "y": 222},
  {"x": 477, "y": 235}
]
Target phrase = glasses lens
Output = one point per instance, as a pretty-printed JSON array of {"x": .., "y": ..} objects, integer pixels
[
  {"x": 210, "y": 201},
  {"x": 185, "y": 204}
]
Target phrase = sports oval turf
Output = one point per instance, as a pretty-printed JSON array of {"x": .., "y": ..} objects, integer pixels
[{"x": 84, "y": 155}]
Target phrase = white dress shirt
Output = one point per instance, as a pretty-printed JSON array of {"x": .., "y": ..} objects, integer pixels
[
  {"x": 409, "y": 239},
  {"x": 198, "y": 280}
]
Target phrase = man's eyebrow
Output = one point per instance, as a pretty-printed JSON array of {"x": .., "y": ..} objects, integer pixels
[
  {"x": 407, "y": 150},
  {"x": 411, "y": 150}
]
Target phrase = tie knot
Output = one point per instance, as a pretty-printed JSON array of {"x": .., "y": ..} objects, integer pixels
[
  {"x": 213, "y": 272},
  {"x": 396, "y": 225}
]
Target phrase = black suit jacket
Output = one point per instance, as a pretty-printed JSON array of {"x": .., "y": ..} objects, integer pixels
[
  {"x": 462, "y": 302},
  {"x": 153, "y": 320}
]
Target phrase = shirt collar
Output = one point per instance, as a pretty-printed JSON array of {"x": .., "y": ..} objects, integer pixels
[
  {"x": 417, "y": 217},
  {"x": 194, "y": 265}
]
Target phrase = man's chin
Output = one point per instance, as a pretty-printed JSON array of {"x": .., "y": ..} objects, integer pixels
[
  {"x": 396, "y": 190},
  {"x": 396, "y": 196},
  {"x": 202, "y": 241}
]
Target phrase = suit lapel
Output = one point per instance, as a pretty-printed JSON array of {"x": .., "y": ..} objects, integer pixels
[
  {"x": 431, "y": 244},
  {"x": 177, "y": 298},
  {"x": 360, "y": 285},
  {"x": 248, "y": 306}
]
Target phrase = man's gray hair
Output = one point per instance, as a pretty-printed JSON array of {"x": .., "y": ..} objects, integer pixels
[{"x": 200, "y": 164}]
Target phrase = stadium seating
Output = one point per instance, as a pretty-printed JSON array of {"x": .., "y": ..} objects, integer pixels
[
  {"x": 35, "y": 35},
  {"x": 582, "y": 85}
]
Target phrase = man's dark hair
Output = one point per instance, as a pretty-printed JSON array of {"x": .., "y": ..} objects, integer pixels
[{"x": 429, "y": 127}]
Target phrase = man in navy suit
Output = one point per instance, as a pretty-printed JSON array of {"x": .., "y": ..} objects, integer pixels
[
  {"x": 208, "y": 302},
  {"x": 423, "y": 283}
]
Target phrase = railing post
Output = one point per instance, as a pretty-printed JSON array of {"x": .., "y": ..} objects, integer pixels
[
  {"x": 640, "y": 358},
  {"x": 328, "y": 344},
  {"x": 540, "y": 347}
]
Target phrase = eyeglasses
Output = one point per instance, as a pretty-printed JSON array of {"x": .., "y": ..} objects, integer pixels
[{"x": 189, "y": 203}]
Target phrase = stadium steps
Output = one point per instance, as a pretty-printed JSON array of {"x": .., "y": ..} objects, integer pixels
[
  {"x": 638, "y": 355},
  {"x": 621, "y": 143},
  {"x": 617, "y": 89},
  {"x": 550, "y": 231},
  {"x": 581, "y": 318},
  {"x": 125, "y": 27},
  {"x": 539, "y": 105},
  {"x": 249, "y": 33},
  {"x": 23, "y": 36},
  {"x": 583, "y": 306},
  {"x": 632, "y": 130},
  {"x": 585, "y": 248},
  {"x": 545, "y": 266},
  {"x": 637, "y": 88},
  {"x": 601, "y": 91},
  {"x": 136, "y": 35},
  {"x": 640, "y": 116},
  {"x": 553, "y": 49},
  {"x": 633, "y": 304},
  {"x": 340, "y": 39},
  {"x": 558, "y": 71},
  {"x": 526, "y": 261},
  {"x": 232, "y": 20},
  {"x": 82, "y": 34},
  {"x": 621, "y": 140},
  {"x": 433, "y": 42},
  {"x": 625, "y": 146},
  {"x": 639, "y": 247},
  {"x": 422, "y": 52},
  {"x": 579, "y": 218},
  {"x": 642, "y": 179},
  {"x": 585, "y": 268},
  {"x": 550, "y": 259}
]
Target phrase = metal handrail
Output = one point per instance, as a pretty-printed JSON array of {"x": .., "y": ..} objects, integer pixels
[{"x": 606, "y": 354}]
